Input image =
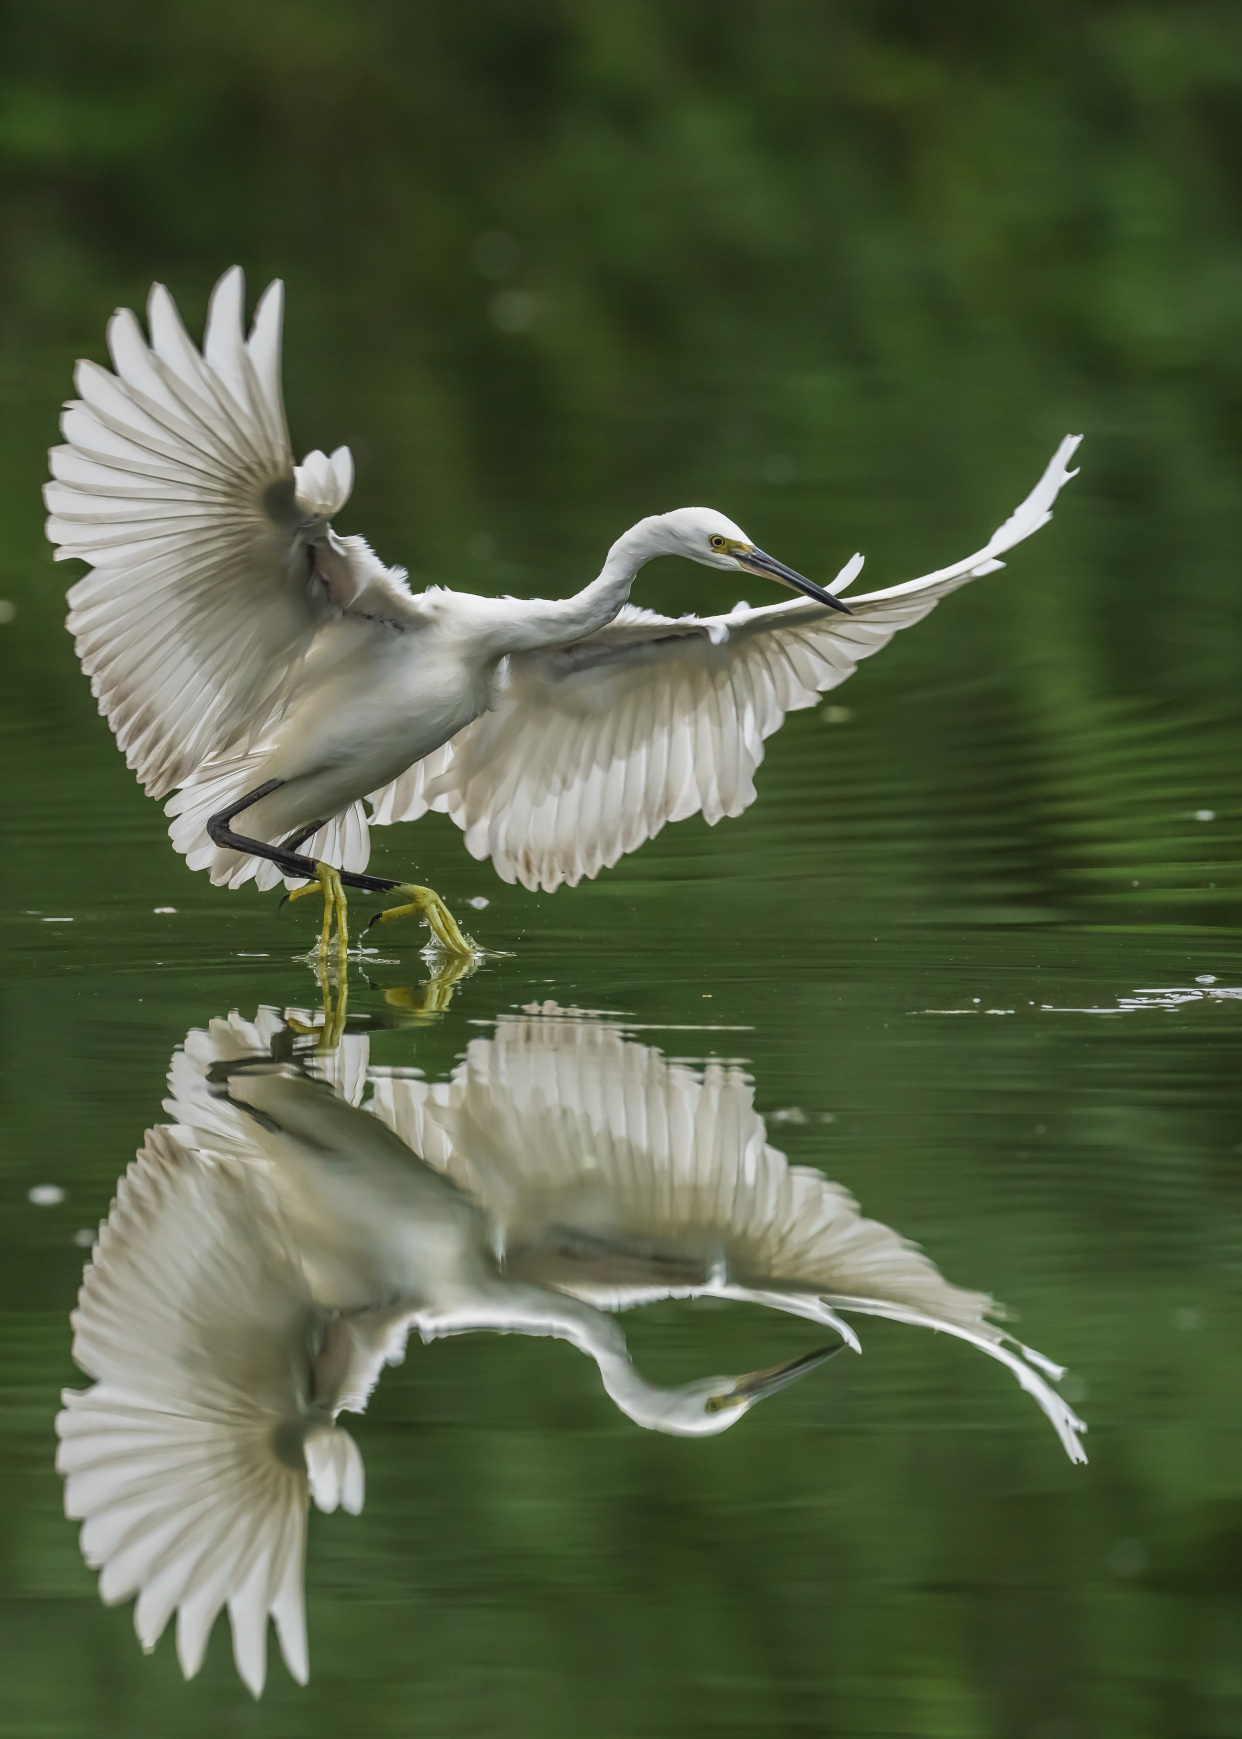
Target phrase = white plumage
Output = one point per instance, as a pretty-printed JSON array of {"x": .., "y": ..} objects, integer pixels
[
  {"x": 609, "y": 1173},
  {"x": 233, "y": 638},
  {"x": 192, "y": 1459},
  {"x": 268, "y": 1254}
]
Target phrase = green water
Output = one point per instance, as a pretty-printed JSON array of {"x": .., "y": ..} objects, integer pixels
[{"x": 846, "y": 273}]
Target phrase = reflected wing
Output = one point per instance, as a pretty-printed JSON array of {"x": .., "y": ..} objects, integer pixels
[
  {"x": 619, "y": 1176},
  {"x": 595, "y": 746},
  {"x": 187, "y": 1461},
  {"x": 177, "y": 485},
  {"x": 622, "y": 1178},
  {"x": 196, "y": 1100},
  {"x": 262, "y": 1118}
]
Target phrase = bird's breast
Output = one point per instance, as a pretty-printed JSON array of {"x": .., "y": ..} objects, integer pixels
[{"x": 370, "y": 715}]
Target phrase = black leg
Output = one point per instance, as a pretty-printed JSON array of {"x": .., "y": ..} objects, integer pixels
[
  {"x": 289, "y": 862},
  {"x": 299, "y": 836}
]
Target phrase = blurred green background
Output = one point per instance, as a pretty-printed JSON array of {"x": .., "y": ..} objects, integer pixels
[{"x": 846, "y": 272}]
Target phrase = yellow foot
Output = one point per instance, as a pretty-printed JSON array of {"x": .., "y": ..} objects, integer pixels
[
  {"x": 426, "y": 903},
  {"x": 328, "y": 1033},
  {"x": 433, "y": 997},
  {"x": 335, "y": 910}
]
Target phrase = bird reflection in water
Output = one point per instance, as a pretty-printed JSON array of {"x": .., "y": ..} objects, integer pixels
[
  {"x": 271, "y": 1249},
  {"x": 407, "y": 1004}
]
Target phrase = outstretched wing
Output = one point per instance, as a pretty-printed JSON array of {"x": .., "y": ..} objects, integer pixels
[
  {"x": 177, "y": 484},
  {"x": 187, "y": 1461},
  {"x": 595, "y": 746},
  {"x": 617, "y": 1176}
]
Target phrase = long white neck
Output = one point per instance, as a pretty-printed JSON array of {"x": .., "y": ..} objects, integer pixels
[
  {"x": 522, "y": 1309},
  {"x": 541, "y": 622}
]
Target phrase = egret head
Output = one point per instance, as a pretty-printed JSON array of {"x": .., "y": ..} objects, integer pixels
[
  {"x": 708, "y": 537},
  {"x": 709, "y": 1406}
]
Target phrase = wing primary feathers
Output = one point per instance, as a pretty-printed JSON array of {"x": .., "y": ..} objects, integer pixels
[
  {"x": 182, "y": 1461},
  {"x": 194, "y": 614}
]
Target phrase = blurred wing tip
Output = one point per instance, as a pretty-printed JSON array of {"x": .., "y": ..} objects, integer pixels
[
  {"x": 1049, "y": 1366},
  {"x": 122, "y": 316},
  {"x": 273, "y": 296},
  {"x": 1064, "y": 453},
  {"x": 230, "y": 282},
  {"x": 849, "y": 573},
  {"x": 335, "y": 1471}
]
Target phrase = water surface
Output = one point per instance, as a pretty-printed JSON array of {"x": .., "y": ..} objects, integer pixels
[{"x": 976, "y": 945}]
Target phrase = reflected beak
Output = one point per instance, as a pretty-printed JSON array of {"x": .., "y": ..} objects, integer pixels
[
  {"x": 758, "y": 1385},
  {"x": 756, "y": 562}
]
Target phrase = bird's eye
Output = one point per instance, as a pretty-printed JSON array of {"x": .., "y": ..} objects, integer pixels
[{"x": 717, "y": 542}]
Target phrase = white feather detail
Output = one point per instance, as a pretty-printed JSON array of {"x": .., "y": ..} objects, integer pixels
[
  {"x": 593, "y": 747},
  {"x": 334, "y": 1466},
  {"x": 322, "y": 484},
  {"x": 681, "y": 1174},
  {"x": 176, "y": 484},
  {"x": 344, "y": 841},
  {"x": 187, "y": 1460},
  {"x": 621, "y": 1178}
]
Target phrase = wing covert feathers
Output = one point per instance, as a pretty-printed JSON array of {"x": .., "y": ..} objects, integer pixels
[
  {"x": 177, "y": 484},
  {"x": 595, "y": 747}
]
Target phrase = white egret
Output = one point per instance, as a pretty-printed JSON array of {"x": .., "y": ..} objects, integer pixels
[
  {"x": 620, "y": 1178},
  {"x": 563, "y": 1172},
  {"x": 253, "y": 662},
  {"x": 377, "y": 1229},
  {"x": 269, "y": 1253}
]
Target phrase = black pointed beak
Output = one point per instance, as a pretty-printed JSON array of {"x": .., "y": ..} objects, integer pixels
[
  {"x": 755, "y": 561},
  {"x": 758, "y": 1385}
]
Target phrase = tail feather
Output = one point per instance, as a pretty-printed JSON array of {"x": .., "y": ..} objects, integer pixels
[{"x": 344, "y": 841}]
